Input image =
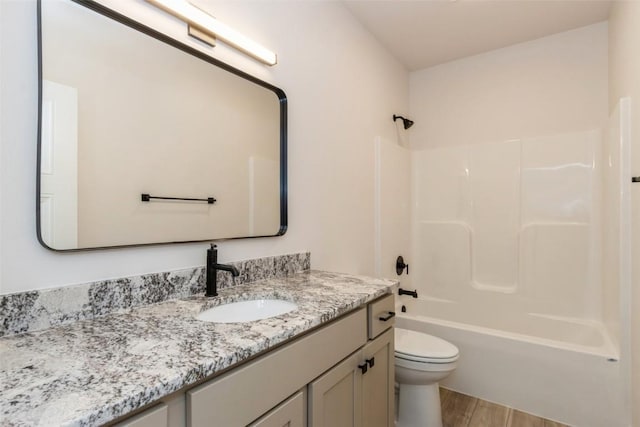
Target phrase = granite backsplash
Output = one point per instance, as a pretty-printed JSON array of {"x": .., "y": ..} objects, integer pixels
[{"x": 41, "y": 309}]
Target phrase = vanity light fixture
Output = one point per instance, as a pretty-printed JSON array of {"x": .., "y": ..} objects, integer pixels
[{"x": 206, "y": 23}]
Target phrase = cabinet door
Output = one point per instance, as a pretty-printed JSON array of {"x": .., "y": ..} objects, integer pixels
[
  {"x": 290, "y": 413},
  {"x": 378, "y": 382},
  {"x": 334, "y": 398}
]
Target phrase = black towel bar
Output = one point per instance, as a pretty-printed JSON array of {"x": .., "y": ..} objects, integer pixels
[{"x": 147, "y": 197}]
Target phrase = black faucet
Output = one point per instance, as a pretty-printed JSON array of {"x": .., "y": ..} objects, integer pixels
[
  {"x": 406, "y": 292},
  {"x": 212, "y": 271}
]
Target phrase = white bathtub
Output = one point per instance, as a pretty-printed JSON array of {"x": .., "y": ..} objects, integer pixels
[{"x": 558, "y": 368}]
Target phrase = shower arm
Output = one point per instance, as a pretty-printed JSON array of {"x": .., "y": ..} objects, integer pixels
[{"x": 407, "y": 123}]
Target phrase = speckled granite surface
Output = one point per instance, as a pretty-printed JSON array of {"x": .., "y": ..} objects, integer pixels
[
  {"x": 93, "y": 371},
  {"x": 38, "y": 310}
]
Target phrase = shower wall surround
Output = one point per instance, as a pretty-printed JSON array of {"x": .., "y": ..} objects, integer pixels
[
  {"x": 37, "y": 310},
  {"x": 519, "y": 218}
]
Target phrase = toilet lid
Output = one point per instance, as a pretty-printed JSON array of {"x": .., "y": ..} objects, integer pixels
[{"x": 417, "y": 346}]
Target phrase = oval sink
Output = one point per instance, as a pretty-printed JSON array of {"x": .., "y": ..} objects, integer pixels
[{"x": 247, "y": 311}]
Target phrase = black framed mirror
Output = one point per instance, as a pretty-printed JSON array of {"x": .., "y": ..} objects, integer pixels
[{"x": 143, "y": 139}]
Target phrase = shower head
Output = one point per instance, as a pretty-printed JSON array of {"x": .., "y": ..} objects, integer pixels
[{"x": 407, "y": 123}]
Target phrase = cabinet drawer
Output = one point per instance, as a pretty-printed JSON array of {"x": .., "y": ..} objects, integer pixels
[{"x": 381, "y": 315}]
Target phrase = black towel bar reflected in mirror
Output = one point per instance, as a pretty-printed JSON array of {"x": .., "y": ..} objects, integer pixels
[{"x": 147, "y": 197}]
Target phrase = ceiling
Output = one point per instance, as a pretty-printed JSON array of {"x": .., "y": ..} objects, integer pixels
[{"x": 424, "y": 33}]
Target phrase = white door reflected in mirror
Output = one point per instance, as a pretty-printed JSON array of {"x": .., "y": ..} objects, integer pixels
[{"x": 59, "y": 166}]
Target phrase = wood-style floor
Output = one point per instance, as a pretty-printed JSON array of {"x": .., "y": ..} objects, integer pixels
[{"x": 460, "y": 410}]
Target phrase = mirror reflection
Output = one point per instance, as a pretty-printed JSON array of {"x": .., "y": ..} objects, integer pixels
[{"x": 125, "y": 114}]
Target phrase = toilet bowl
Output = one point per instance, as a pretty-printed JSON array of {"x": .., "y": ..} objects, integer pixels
[{"x": 421, "y": 361}]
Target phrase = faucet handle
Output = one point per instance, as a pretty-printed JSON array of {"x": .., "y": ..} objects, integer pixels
[{"x": 401, "y": 266}]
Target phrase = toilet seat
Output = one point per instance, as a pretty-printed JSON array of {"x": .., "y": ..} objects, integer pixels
[{"x": 418, "y": 347}]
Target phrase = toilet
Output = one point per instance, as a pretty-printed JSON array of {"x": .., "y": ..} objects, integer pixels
[{"x": 421, "y": 361}]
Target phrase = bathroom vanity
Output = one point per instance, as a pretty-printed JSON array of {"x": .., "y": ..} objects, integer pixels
[
  {"x": 328, "y": 363},
  {"x": 309, "y": 377}
]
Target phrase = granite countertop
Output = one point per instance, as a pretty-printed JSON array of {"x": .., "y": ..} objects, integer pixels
[{"x": 91, "y": 372}]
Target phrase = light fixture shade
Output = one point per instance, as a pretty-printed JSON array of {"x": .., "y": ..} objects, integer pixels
[{"x": 190, "y": 14}]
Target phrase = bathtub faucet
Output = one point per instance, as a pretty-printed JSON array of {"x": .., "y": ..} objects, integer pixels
[{"x": 405, "y": 292}]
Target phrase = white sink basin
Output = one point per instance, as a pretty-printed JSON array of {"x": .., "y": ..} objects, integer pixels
[{"x": 247, "y": 311}]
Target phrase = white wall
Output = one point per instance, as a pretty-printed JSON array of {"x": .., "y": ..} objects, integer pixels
[
  {"x": 552, "y": 85},
  {"x": 342, "y": 87},
  {"x": 624, "y": 69}
]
